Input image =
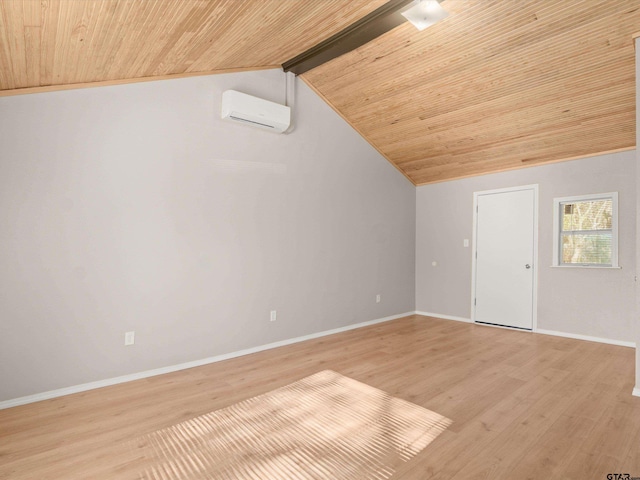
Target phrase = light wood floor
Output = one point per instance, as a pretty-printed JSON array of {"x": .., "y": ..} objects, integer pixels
[{"x": 524, "y": 406}]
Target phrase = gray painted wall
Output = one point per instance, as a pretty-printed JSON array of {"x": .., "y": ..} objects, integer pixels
[
  {"x": 593, "y": 302},
  {"x": 136, "y": 208}
]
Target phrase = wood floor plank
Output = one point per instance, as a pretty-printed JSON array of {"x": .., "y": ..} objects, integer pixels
[
  {"x": 450, "y": 453},
  {"x": 523, "y": 405}
]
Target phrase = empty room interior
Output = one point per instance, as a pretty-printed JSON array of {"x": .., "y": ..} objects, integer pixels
[{"x": 332, "y": 239}]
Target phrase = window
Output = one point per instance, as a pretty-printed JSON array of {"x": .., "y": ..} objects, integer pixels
[{"x": 586, "y": 231}]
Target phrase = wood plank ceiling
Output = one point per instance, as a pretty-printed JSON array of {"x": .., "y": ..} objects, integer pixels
[
  {"x": 498, "y": 85},
  {"x": 61, "y": 42}
]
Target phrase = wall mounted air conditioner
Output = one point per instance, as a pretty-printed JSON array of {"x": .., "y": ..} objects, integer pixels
[{"x": 242, "y": 108}]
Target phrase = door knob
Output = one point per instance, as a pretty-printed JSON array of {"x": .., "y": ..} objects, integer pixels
[{"x": 527, "y": 266}]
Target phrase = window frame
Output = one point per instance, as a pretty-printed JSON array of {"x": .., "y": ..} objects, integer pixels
[{"x": 557, "y": 230}]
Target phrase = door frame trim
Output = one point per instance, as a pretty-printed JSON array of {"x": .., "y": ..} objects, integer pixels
[{"x": 534, "y": 188}]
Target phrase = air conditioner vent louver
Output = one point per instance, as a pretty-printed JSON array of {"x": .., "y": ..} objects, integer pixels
[
  {"x": 238, "y": 119},
  {"x": 254, "y": 111}
]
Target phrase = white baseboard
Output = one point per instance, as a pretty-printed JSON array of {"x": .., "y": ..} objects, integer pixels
[
  {"x": 576, "y": 336},
  {"x": 587, "y": 338},
  {"x": 183, "y": 366},
  {"x": 444, "y": 317},
  {"x": 636, "y": 392}
]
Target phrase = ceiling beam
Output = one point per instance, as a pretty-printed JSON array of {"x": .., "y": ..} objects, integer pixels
[{"x": 380, "y": 21}]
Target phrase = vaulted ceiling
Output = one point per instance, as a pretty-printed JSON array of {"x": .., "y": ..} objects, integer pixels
[{"x": 498, "y": 85}]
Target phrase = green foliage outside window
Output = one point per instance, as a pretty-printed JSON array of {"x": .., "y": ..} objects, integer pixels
[{"x": 586, "y": 236}]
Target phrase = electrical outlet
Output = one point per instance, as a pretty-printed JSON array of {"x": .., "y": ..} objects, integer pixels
[
  {"x": 465, "y": 242},
  {"x": 378, "y": 298},
  {"x": 273, "y": 316},
  {"x": 129, "y": 338}
]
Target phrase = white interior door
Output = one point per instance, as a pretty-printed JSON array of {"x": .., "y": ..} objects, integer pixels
[{"x": 505, "y": 255}]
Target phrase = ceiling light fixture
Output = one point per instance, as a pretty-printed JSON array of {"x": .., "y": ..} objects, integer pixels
[{"x": 425, "y": 13}]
